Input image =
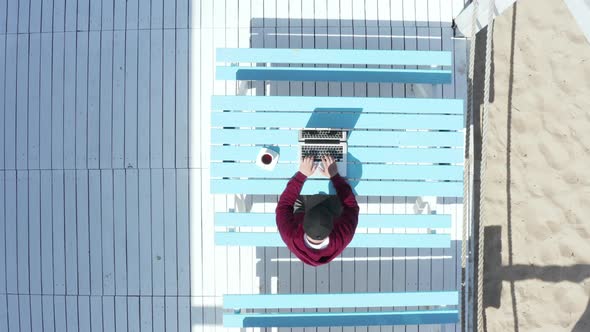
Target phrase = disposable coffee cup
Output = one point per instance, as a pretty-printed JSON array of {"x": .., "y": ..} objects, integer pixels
[{"x": 267, "y": 159}]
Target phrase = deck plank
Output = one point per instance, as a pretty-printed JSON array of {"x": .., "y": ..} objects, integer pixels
[
  {"x": 83, "y": 85},
  {"x": 107, "y": 233},
  {"x": 83, "y": 231},
  {"x": 131, "y": 98}
]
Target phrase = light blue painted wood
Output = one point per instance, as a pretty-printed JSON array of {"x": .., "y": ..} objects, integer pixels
[
  {"x": 169, "y": 14},
  {"x": 340, "y": 318},
  {"x": 11, "y": 17},
  {"x": 34, "y": 99},
  {"x": 183, "y": 232},
  {"x": 121, "y": 314},
  {"x": 157, "y": 14},
  {"x": 347, "y": 120},
  {"x": 184, "y": 314},
  {"x": 132, "y": 18},
  {"x": 10, "y": 210},
  {"x": 106, "y": 99},
  {"x": 59, "y": 255},
  {"x": 232, "y": 219},
  {"x": 171, "y": 313},
  {"x": 145, "y": 233},
  {"x": 3, "y": 312},
  {"x": 119, "y": 231},
  {"x": 46, "y": 232},
  {"x": 132, "y": 232},
  {"x": 333, "y": 74},
  {"x": 34, "y": 232},
  {"x": 354, "y": 171},
  {"x": 3, "y": 19},
  {"x": 182, "y": 93},
  {"x": 382, "y": 188},
  {"x": 48, "y": 313},
  {"x": 2, "y": 89},
  {"x": 36, "y": 313},
  {"x": 71, "y": 15},
  {"x": 84, "y": 313},
  {"x": 170, "y": 239},
  {"x": 96, "y": 16},
  {"x": 96, "y": 121},
  {"x": 13, "y": 313},
  {"x": 145, "y": 312},
  {"x": 83, "y": 230},
  {"x": 143, "y": 90},
  {"x": 22, "y": 230},
  {"x": 83, "y": 85},
  {"x": 35, "y": 16},
  {"x": 22, "y": 101},
  {"x": 107, "y": 236},
  {"x": 108, "y": 313},
  {"x": 156, "y": 59},
  {"x": 59, "y": 7},
  {"x": 352, "y": 104},
  {"x": 157, "y": 253},
  {"x": 144, "y": 16},
  {"x": 71, "y": 247},
  {"x": 10, "y": 102},
  {"x": 118, "y": 85},
  {"x": 72, "y": 311},
  {"x": 3, "y": 265},
  {"x": 390, "y": 138},
  {"x": 24, "y": 302},
  {"x": 337, "y": 57},
  {"x": 182, "y": 14},
  {"x": 60, "y": 313},
  {"x": 95, "y": 220},
  {"x": 131, "y": 92},
  {"x": 120, "y": 15},
  {"x": 83, "y": 14},
  {"x": 372, "y": 240},
  {"x": 169, "y": 95},
  {"x": 69, "y": 113},
  {"x": 45, "y": 100},
  {"x": 133, "y": 317},
  {"x": 96, "y": 313},
  {"x": 158, "y": 310},
  {"x": 343, "y": 300}
]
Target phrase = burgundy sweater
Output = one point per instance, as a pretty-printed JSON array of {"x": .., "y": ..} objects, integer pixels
[{"x": 291, "y": 225}]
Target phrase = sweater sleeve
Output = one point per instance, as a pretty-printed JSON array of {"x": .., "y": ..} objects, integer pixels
[
  {"x": 350, "y": 211},
  {"x": 284, "y": 211}
]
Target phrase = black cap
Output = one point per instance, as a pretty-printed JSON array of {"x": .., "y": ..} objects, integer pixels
[{"x": 318, "y": 222}]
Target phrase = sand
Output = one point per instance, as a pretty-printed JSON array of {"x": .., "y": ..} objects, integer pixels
[{"x": 538, "y": 249}]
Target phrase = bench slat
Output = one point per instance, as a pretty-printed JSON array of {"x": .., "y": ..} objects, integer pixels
[
  {"x": 368, "y": 138},
  {"x": 235, "y": 219},
  {"x": 384, "y": 188},
  {"x": 316, "y": 319},
  {"x": 372, "y": 240},
  {"x": 334, "y": 120},
  {"x": 340, "y": 300},
  {"x": 371, "y": 154},
  {"x": 333, "y": 56},
  {"x": 354, "y": 171},
  {"x": 380, "y": 75},
  {"x": 354, "y": 104}
]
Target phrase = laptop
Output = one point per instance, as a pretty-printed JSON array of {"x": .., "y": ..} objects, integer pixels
[{"x": 319, "y": 142}]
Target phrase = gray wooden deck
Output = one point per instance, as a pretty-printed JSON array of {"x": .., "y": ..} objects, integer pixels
[{"x": 106, "y": 221}]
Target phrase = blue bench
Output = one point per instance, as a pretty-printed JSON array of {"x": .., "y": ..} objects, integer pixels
[
  {"x": 233, "y": 234},
  {"x": 442, "y": 309},
  {"x": 326, "y": 57}
]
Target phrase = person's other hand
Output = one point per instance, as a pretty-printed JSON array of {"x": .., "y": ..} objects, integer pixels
[
  {"x": 329, "y": 166},
  {"x": 307, "y": 166}
]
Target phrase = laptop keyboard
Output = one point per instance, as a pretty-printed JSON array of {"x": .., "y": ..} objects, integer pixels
[
  {"x": 317, "y": 151},
  {"x": 321, "y": 135}
]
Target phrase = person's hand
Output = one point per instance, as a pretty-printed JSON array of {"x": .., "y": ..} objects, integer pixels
[
  {"x": 307, "y": 166},
  {"x": 329, "y": 166}
]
